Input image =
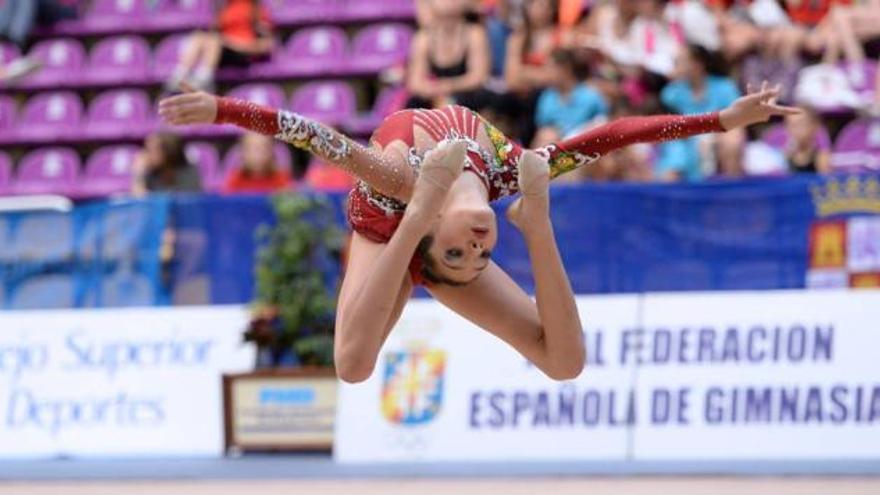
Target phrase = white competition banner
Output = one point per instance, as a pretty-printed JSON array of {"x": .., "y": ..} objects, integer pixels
[
  {"x": 113, "y": 382},
  {"x": 445, "y": 390},
  {"x": 690, "y": 376},
  {"x": 760, "y": 375}
]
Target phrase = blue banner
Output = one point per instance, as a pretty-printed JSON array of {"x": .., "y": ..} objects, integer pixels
[
  {"x": 731, "y": 235},
  {"x": 98, "y": 255}
]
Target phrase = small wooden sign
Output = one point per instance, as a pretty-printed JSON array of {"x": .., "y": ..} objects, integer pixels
[{"x": 280, "y": 410}]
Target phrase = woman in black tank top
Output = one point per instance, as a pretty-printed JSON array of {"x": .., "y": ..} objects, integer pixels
[{"x": 449, "y": 59}]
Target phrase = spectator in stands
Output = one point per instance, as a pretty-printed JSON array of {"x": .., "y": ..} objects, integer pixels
[
  {"x": 700, "y": 86},
  {"x": 162, "y": 167},
  {"x": 569, "y": 105},
  {"x": 243, "y": 35},
  {"x": 805, "y": 151},
  {"x": 530, "y": 45},
  {"x": 449, "y": 59},
  {"x": 258, "y": 172},
  {"x": 17, "y": 20}
]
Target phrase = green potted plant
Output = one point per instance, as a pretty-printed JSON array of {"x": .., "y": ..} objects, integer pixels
[{"x": 296, "y": 273}]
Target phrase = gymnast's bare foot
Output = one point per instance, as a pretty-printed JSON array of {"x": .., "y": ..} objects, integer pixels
[
  {"x": 534, "y": 184},
  {"x": 440, "y": 169}
]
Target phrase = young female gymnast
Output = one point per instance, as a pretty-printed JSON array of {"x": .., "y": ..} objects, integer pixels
[{"x": 418, "y": 219}]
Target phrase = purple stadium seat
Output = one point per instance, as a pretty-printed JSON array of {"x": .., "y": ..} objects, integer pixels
[
  {"x": 380, "y": 46},
  {"x": 330, "y": 102},
  {"x": 380, "y": 9},
  {"x": 868, "y": 71},
  {"x": 7, "y": 118},
  {"x": 121, "y": 113},
  {"x": 123, "y": 59},
  {"x": 390, "y": 100},
  {"x": 314, "y": 51},
  {"x": 50, "y": 117},
  {"x": 262, "y": 94},
  {"x": 63, "y": 60},
  {"x": 306, "y": 11},
  {"x": 176, "y": 15},
  {"x": 108, "y": 171},
  {"x": 8, "y": 52},
  {"x": 5, "y": 174},
  {"x": 166, "y": 55},
  {"x": 47, "y": 171},
  {"x": 116, "y": 16},
  {"x": 857, "y": 148},
  {"x": 204, "y": 156}
]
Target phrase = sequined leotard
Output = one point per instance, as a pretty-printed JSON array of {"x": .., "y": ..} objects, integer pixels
[{"x": 376, "y": 216}]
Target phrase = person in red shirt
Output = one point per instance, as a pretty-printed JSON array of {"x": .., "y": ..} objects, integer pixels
[
  {"x": 243, "y": 34},
  {"x": 258, "y": 172},
  {"x": 422, "y": 214}
]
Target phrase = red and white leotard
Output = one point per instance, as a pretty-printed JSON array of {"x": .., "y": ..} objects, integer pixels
[{"x": 376, "y": 216}]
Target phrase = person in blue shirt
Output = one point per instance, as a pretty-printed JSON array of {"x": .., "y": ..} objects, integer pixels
[
  {"x": 568, "y": 105},
  {"x": 698, "y": 87}
]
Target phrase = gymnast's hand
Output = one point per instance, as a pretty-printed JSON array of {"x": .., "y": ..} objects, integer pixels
[
  {"x": 532, "y": 209},
  {"x": 440, "y": 169},
  {"x": 757, "y": 106},
  {"x": 191, "y": 107}
]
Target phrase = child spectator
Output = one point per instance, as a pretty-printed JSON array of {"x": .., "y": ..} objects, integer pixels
[
  {"x": 258, "y": 172},
  {"x": 243, "y": 35},
  {"x": 162, "y": 167},
  {"x": 699, "y": 87},
  {"x": 568, "y": 105}
]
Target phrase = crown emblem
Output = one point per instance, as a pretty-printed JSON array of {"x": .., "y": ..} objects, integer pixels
[{"x": 855, "y": 194}]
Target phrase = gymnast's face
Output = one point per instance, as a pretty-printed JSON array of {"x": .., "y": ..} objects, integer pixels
[{"x": 463, "y": 242}]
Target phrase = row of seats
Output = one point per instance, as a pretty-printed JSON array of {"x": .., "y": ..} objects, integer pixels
[
  {"x": 315, "y": 51},
  {"x": 59, "y": 291},
  {"x": 108, "y": 170},
  {"x": 127, "y": 114},
  {"x": 157, "y": 16}
]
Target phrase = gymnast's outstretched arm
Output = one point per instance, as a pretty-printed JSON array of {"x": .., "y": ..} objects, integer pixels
[
  {"x": 589, "y": 146},
  {"x": 384, "y": 170}
]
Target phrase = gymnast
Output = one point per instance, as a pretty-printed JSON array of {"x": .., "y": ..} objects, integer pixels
[{"x": 421, "y": 215}]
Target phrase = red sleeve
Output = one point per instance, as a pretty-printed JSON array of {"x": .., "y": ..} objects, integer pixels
[
  {"x": 591, "y": 145},
  {"x": 247, "y": 115}
]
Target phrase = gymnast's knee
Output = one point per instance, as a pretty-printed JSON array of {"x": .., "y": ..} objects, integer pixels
[{"x": 352, "y": 368}]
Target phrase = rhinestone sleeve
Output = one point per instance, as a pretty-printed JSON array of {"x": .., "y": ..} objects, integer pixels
[{"x": 589, "y": 146}]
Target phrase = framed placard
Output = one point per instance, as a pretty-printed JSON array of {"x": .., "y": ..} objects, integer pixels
[{"x": 280, "y": 410}]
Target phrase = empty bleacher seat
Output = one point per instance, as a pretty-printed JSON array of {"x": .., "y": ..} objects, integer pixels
[
  {"x": 121, "y": 113},
  {"x": 166, "y": 55},
  {"x": 315, "y": 51},
  {"x": 300, "y": 11},
  {"x": 380, "y": 46},
  {"x": 108, "y": 171},
  {"x": 330, "y": 102},
  {"x": 262, "y": 94},
  {"x": 47, "y": 171},
  {"x": 7, "y": 118},
  {"x": 48, "y": 117},
  {"x": 123, "y": 59},
  {"x": 204, "y": 156},
  {"x": 43, "y": 292},
  {"x": 8, "y": 52},
  {"x": 173, "y": 15},
  {"x": 390, "y": 100},
  {"x": 115, "y": 16},
  {"x": 63, "y": 61},
  {"x": 127, "y": 290},
  {"x": 857, "y": 148},
  {"x": 5, "y": 173}
]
